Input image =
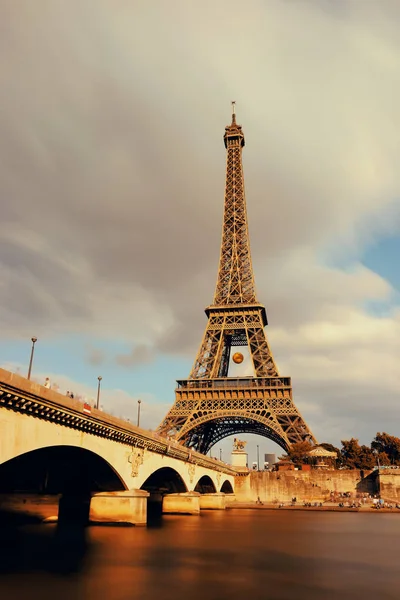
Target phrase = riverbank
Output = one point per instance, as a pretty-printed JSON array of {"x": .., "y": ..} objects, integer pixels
[{"x": 328, "y": 507}]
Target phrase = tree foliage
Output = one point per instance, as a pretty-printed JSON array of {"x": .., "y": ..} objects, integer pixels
[
  {"x": 384, "y": 451},
  {"x": 298, "y": 453},
  {"x": 356, "y": 456},
  {"x": 384, "y": 443},
  {"x": 383, "y": 459}
]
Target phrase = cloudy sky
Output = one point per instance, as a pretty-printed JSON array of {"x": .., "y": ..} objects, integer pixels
[{"x": 111, "y": 193}]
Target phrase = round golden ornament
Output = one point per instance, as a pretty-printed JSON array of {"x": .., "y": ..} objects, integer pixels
[{"x": 237, "y": 358}]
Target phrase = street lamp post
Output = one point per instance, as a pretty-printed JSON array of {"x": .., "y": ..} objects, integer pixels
[
  {"x": 33, "y": 340},
  {"x": 220, "y": 454},
  {"x": 258, "y": 457},
  {"x": 376, "y": 453},
  {"x": 138, "y": 412},
  {"x": 98, "y": 391}
]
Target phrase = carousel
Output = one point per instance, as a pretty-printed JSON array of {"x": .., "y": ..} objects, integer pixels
[{"x": 321, "y": 458}]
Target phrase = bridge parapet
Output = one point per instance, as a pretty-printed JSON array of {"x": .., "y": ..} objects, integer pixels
[{"x": 26, "y": 397}]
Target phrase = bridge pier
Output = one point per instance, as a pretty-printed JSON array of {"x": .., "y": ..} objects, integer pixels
[
  {"x": 214, "y": 501},
  {"x": 129, "y": 506},
  {"x": 187, "y": 503},
  {"x": 229, "y": 499}
]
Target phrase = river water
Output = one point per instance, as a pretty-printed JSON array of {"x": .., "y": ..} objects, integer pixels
[{"x": 235, "y": 554}]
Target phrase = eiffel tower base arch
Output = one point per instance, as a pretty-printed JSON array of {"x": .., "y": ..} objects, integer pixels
[{"x": 208, "y": 410}]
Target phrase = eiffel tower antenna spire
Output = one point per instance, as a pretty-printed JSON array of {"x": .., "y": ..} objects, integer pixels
[{"x": 216, "y": 401}]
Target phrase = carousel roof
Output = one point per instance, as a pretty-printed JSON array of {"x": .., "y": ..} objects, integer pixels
[{"x": 321, "y": 451}]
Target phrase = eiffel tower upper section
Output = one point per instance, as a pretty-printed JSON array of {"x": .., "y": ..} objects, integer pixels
[
  {"x": 217, "y": 401},
  {"x": 235, "y": 284},
  {"x": 235, "y": 305}
]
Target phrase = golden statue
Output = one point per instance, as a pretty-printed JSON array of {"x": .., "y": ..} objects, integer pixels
[{"x": 238, "y": 445}]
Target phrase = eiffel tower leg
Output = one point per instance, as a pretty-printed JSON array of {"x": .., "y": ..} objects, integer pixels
[
  {"x": 295, "y": 428},
  {"x": 263, "y": 361},
  {"x": 205, "y": 439},
  {"x": 206, "y": 358},
  {"x": 226, "y": 352}
]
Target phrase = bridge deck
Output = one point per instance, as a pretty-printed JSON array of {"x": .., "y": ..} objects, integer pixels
[{"x": 27, "y": 397}]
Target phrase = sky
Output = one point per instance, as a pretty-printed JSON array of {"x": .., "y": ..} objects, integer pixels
[{"x": 112, "y": 184}]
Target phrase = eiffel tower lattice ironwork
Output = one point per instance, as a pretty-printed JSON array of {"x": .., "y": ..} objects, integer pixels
[{"x": 212, "y": 404}]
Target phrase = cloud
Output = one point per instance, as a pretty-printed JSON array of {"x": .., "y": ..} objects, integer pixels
[
  {"x": 138, "y": 356},
  {"x": 95, "y": 356},
  {"x": 112, "y": 175}
]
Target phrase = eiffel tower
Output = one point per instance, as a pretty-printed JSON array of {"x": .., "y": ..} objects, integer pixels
[{"x": 212, "y": 404}]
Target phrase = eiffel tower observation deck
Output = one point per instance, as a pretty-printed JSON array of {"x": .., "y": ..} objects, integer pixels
[{"x": 218, "y": 400}]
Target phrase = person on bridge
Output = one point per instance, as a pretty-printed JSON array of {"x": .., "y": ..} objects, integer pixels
[{"x": 47, "y": 383}]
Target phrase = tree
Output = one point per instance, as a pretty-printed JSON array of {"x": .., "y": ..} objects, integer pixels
[
  {"x": 298, "y": 453},
  {"x": 356, "y": 456},
  {"x": 367, "y": 458},
  {"x": 330, "y": 447},
  {"x": 389, "y": 445},
  {"x": 350, "y": 453},
  {"x": 383, "y": 459}
]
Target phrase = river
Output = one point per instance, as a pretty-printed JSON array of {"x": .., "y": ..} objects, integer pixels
[{"x": 221, "y": 555}]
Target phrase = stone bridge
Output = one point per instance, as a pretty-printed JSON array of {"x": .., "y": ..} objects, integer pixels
[{"x": 53, "y": 447}]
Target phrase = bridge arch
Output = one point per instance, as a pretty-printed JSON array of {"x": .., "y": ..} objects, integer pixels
[
  {"x": 205, "y": 485},
  {"x": 165, "y": 480},
  {"x": 59, "y": 469},
  {"x": 226, "y": 487},
  {"x": 206, "y": 429}
]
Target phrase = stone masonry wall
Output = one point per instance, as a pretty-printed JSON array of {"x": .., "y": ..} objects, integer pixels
[
  {"x": 389, "y": 482},
  {"x": 282, "y": 486}
]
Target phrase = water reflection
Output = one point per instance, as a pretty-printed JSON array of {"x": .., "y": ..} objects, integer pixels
[
  {"x": 215, "y": 556},
  {"x": 56, "y": 548}
]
